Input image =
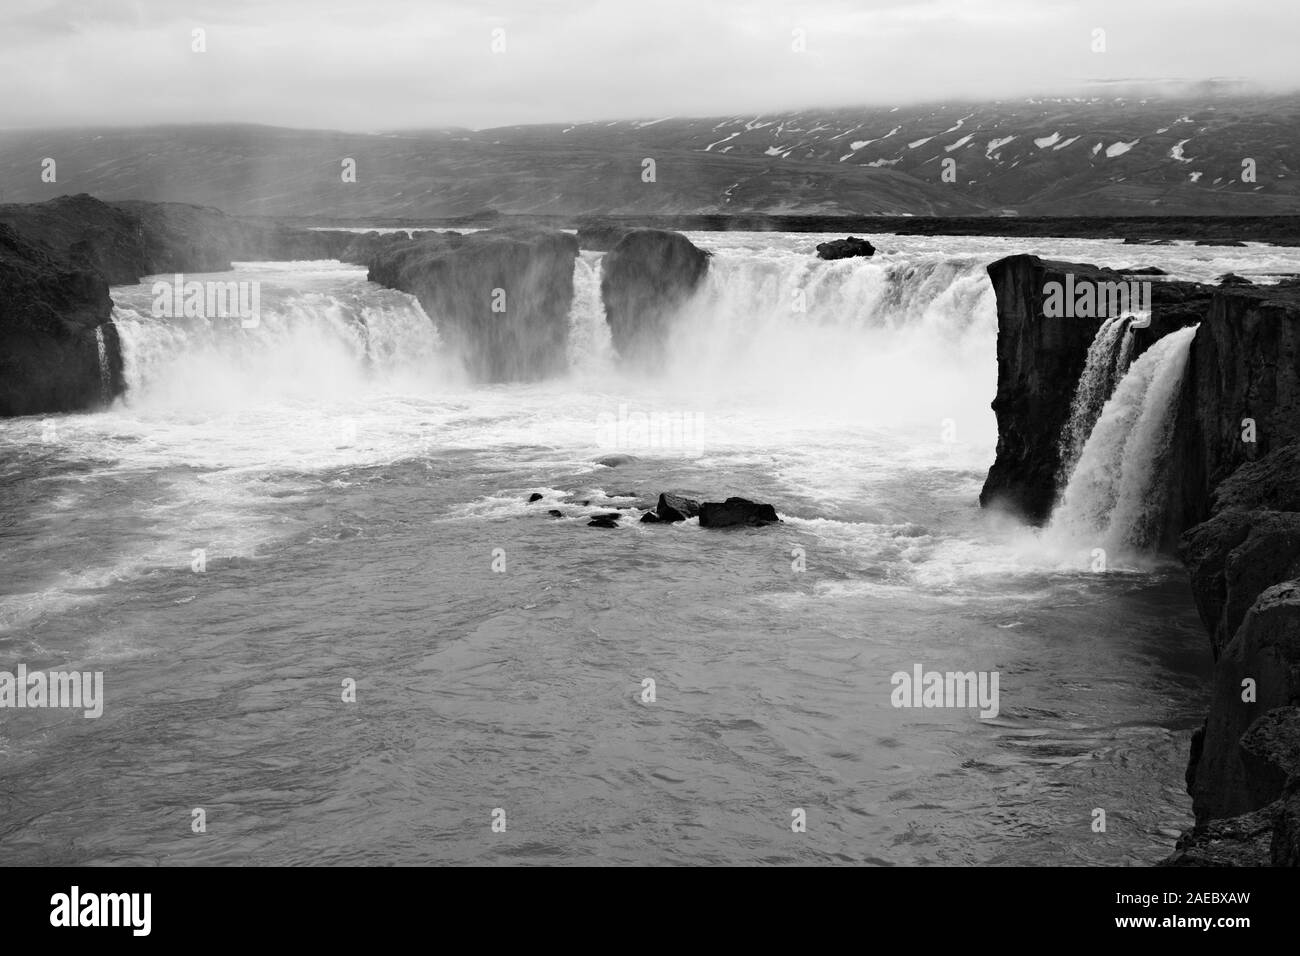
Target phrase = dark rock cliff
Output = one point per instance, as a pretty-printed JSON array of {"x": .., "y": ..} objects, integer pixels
[
  {"x": 645, "y": 280},
  {"x": 500, "y": 297},
  {"x": 1039, "y": 363},
  {"x": 49, "y": 312},
  {"x": 1244, "y": 771}
]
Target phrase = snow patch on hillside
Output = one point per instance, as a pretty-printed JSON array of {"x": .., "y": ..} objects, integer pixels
[{"x": 996, "y": 144}]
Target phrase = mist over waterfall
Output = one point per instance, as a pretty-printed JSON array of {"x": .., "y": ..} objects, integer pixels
[
  {"x": 589, "y": 339},
  {"x": 1116, "y": 496},
  {"x": 320, "y": 337},
  {"x": 881, "y": 341},
  {"x": 105, "y": 373}
]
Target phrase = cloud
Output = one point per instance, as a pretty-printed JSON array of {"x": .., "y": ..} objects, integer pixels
[{"x": 376, "y": 64}]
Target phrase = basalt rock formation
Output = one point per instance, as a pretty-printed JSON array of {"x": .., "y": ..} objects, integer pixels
[
  {"x": 501, "y": 297},
  {"x": 645, "y": 280},
  {"x": 1039, "y": 362},
  {"x": 1244, "y": 771}
]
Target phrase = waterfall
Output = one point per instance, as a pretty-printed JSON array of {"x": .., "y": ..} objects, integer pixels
[
  {"x": 105, "y": 373},
  {"x": 1101, "y": 370},
  {"x": 882, "y": 341},
  {"x": 307, "y": 345},
  {"x": 590, "y": 347},
  {"x": 1115, "y": 497}
]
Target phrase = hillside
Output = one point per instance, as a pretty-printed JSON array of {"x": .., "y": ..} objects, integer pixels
[{"x": 1097, "y": 156}]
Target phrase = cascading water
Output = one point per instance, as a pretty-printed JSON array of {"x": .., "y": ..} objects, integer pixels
[
  {"x": 1115, "y": 498},
  {"x": 306, "y": 343},
  {"x": 1101, "y": 370},
  {"x": 879, "y": 340},
  {"x": 105, "y": 373},
  {"x": 590, "y": 348}
]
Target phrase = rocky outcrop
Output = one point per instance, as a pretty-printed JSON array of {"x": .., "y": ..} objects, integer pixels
[
  {"x": 736, "y": 512},
  {"x": 500, "y": 297},
  {"x": 1039, "y": 362},
  {"x": 1244, "y": 365},
  {"x": 1244, "y": 771},
  {"x": 671, "y": 507},
  {"x": 58, "y": 259},
  {"x": 645, "y": 280},
  {"x": 50, "y": 311},
  {"x": 845, "y": 248},
  {"x": 601, "y": 236}
]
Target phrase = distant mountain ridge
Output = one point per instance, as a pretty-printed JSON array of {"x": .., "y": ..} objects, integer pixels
[{"x": 1039, "y": 156}]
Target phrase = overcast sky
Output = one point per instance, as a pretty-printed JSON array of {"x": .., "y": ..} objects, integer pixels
[{"x": 382, "y": 64}]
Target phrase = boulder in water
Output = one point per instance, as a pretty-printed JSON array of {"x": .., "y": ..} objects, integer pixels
[
  {"x": 645, "y": 280},
  {"x": 534, "y": 497},
  {"x": 845, "y": 248},
  {"x": 673, "y": 507},
  {"x": 607, "y": 520},
  {"x": 1231, "y": 278},
  {"x": 736, "y": 512}
]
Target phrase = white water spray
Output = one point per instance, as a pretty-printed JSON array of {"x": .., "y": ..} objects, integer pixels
[
  {"x": 308, "y": 345},
  {"x": 1100, "y": 373},
  {"x": 1116, "y": 498},
  {"x": 105, "y": 374}
]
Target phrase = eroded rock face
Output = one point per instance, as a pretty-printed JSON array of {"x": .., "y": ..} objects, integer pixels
[
  {"x": 645, "y": 280},
  {"x": 500, "y": 297},
  {"x": 1040, "y": 360},
  {"x": 671, "y": 507},
  {"x": 1244, "y": 365},
  {"x": 49, "y": 313},
  {"x": 1265, "y": 650},
  {"x": 1244, "y": 768}
]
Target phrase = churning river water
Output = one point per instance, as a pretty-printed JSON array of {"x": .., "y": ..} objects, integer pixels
[{"x": 268, "y": 514}]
